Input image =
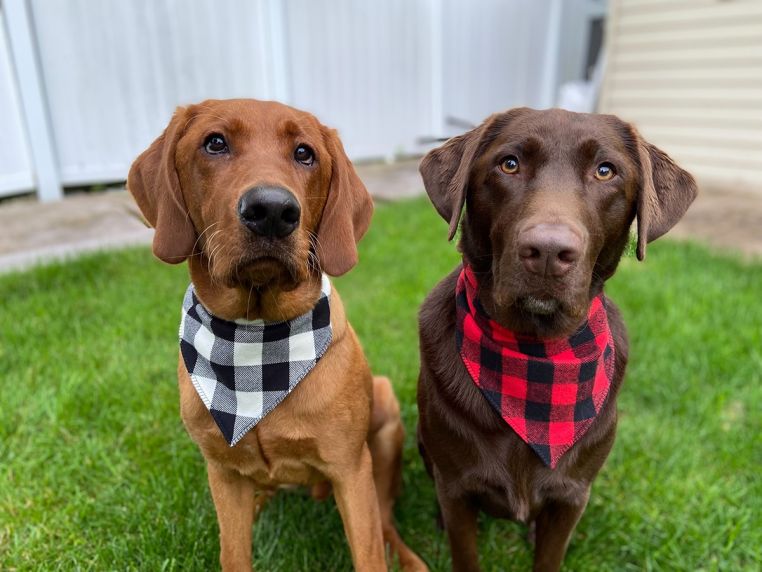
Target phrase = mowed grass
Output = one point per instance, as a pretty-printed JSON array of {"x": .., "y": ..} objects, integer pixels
[{"x": 97, "y": 473}]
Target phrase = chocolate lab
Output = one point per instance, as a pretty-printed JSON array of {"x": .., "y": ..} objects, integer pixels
[
  {"x": 522, "y": 354},
  {"x": 262, "y": 202}
]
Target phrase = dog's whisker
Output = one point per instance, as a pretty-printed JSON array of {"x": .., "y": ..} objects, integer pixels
[
  {"x": 213, "y": 247},
  {"x": 316, "y": 246},
  {"x": 207, "y": 229},
  {"x": 183, "y": 256},
  {"x": 211, "y": 263}
]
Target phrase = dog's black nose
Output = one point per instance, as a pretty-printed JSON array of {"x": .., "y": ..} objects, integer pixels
[
  {"x": 269, "y": 211},
  {"x": 549, "y": 249}
]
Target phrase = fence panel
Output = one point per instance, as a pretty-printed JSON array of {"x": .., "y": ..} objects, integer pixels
[
  {"x": 114, "y": 71},
  {"x": 362, "y": 67},
  {"x": 494, "y": 52},
  {"x": 385, "y": 74}
]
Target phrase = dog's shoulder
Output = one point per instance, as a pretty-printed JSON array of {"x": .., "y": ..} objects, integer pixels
[
  {"x": 436, "y": 320},
  {"x": 438, "y": 309},
  {"x": 443, "y": 377}
]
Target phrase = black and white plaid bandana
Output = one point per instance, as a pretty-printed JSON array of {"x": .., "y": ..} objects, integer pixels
[{"x": 243, "y": 369}]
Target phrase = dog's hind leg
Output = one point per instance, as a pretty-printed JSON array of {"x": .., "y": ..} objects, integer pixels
[
  {"x": 385, "y": 442},
  {"x": 439, "y": 520}
]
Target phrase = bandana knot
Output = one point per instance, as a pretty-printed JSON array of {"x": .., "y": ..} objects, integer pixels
[
  {"x": 548, "y": 391},
  {"x": 243, "y": 369}
]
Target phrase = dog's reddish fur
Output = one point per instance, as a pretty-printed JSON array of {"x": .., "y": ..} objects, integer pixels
[{"x": 340, "y": 425}]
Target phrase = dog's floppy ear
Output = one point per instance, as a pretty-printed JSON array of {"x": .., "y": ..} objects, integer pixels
[
  {"x": 445, "y": 172},
  {"x": 346, "y": 214},
  {"x": 665, "y": 193},
  {"x": 154, "y": 184},
  {"x": 446, "y": 169}
]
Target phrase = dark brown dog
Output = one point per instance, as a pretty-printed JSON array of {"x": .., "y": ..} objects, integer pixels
[
  {"x": 550, "y": 197},
  {"x": 260, "y": 198}
]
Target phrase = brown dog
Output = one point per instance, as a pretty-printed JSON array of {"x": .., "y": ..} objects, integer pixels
[
  {"x": 549, "y": 199},
  {"x": 260, "y": 198}
]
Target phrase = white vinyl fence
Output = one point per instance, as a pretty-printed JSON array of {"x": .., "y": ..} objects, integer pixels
[
  {"x": 15, "y": 161},
  {"x": 85, "y": 85}
]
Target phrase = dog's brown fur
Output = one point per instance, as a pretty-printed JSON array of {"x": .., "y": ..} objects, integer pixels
[
  {"x": 476, "y": 460},
  {"x": 340, "y": 425}
]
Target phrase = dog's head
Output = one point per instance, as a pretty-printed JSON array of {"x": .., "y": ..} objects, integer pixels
[
  {"x": 261, "y": 192},
  {"x": 550, "y": 197}
]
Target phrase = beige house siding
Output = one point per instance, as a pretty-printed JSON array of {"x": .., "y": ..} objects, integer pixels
[{"x": 688, "y": 74}]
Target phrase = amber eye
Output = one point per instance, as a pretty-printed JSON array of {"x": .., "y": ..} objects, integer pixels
[
  {"x": 510, "y": 165},
  {"x": 605, "y": 172},
  {"x": 215, "y": 144},
  {"x": 304, "y": 155}
]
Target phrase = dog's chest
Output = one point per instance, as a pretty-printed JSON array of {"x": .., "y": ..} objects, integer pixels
[
  {"x": 507, "y": 481},
  {"x": 273, "y": 453},
  {"x": 274, "y": 460},
  {"x": 488, "y": 462},
  {"x": 499, "y": 495},
  {"x": 242, "y": 370}
]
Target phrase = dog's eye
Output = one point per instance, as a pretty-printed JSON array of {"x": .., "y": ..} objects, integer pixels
[
  {"x": 304, "y": 155},
  {"x": 605, "y": 172},
  {"x": 510, "y": 165},
  {"x": 215, "y": 144}
]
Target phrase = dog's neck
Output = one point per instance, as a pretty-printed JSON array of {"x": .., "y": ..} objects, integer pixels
[
  {"x": 269, "y": 302},
  {"x": 524, "y": 323}
]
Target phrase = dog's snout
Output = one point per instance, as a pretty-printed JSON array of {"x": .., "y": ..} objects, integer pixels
[
  {"x": 549, "y": 249},
  {"x": 269, "y": 211}
]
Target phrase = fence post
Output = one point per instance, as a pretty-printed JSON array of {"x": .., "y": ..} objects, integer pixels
[
  {"x": 548, "y": 93},
  {"x": 28, "y": 73}
]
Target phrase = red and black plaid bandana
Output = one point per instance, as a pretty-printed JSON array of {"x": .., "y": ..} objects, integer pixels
[{"x": 548, "y": 391}]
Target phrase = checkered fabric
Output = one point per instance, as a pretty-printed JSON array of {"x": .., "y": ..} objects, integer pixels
[
  {"x": 243, "y": 369},
  {"x": 548, "y": 391}
]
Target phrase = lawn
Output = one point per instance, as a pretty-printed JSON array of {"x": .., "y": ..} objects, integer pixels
[{"x": 97, "y": 473}]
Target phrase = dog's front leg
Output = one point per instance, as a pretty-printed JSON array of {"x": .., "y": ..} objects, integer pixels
[
  {"x": 554, "y": 526},
  {"x": 234, "y": 500},
  {"x": 460, "y": 523},
  {"x": 356, "y": 498}
]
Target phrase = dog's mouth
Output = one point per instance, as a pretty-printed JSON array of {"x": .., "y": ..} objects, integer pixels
[
  {"x": 250, "y": 261},
  {"x": 265, "y": 264},
  {"x": 545, "y": 298},
  {"x": 543, "y": 310},
  {"x": 540, "y": 306},
  {"x": 545, "y": 316},
  {"x": 259, "y": 270}
]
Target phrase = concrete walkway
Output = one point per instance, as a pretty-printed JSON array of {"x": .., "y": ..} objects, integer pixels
[{"x": 33, "y": 232}]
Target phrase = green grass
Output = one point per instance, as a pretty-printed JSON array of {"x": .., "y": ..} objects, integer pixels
[{"x": 97, "y": 473}]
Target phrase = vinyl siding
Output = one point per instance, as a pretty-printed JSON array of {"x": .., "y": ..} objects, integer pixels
[{"x": 688, "y": 74}]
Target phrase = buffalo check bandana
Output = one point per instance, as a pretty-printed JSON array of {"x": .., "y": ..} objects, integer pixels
[
  {"x": 243, "y": 369},
  {"x": 548, "y": 391}
]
